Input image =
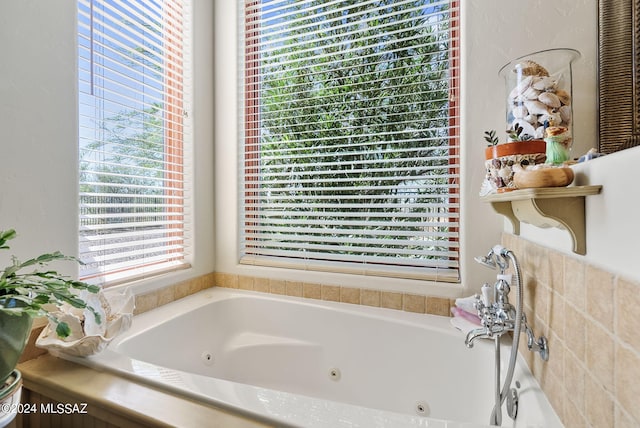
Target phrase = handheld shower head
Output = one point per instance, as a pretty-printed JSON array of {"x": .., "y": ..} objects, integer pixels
[
  {"x": 496, "y": 258},
  {"x": 488, "y": 260}
]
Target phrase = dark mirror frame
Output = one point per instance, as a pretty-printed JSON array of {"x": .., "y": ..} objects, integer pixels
[{"x": 618, "y": 75}]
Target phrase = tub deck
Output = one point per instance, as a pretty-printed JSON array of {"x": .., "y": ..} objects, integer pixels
[{"x": 114, "y": 401}]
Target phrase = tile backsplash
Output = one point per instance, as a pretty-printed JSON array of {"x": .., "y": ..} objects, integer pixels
[
  {"x": 591, "y": 318},
  {"x": 162, "y": 296},
  {"x": 359, "y": 296}
]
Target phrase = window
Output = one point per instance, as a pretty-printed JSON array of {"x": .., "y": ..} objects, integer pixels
[
  {"x": 133, "y": 145},
  {"x": 350, "y": 143}
]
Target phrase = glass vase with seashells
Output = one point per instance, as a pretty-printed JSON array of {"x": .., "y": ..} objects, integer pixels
[
  {"x": 539, "y": 116},
  {"x": 539, "y": 99}
]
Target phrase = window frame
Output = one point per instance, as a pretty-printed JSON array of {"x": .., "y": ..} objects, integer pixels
[
  {"x": 251, "y": 110},
  {"x": 177, "y": 142}
]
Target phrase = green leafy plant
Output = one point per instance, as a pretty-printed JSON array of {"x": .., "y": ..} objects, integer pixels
[
  {"x": 491, "y": 138},
  {"x": 515, "y": 134},
  {"x": 28, "y": 288}
]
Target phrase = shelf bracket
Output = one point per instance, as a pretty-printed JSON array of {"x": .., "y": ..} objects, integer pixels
[
  {"x": 505, "y": 209},
  {"x": 563, "y": 208}
]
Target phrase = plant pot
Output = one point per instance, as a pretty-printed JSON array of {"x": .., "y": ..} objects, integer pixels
[
  {"x": 515, "y": 148},
  {"x": 14, "y": 333},
  {"x": 10, "y": 393},
  {"x": 501, "y": 158}
]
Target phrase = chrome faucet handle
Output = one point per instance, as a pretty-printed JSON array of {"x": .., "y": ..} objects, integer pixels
[
  {"x": 481, "y": 308},
  {"x": 477, "y": 303},
  {"x": 487, "y": 319},
  {"x": 506, "y": 313}
]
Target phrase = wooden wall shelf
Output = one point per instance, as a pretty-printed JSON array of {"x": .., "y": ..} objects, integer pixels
[{"x": 561, "y": 207}]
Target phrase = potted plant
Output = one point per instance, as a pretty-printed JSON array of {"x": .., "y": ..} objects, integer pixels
[
  {"x": 520, "y": 149},
  {"x": 28, "y": 289}
]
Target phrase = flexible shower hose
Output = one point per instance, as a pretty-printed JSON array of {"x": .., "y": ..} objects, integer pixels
[{"x": 516, "y": 341}]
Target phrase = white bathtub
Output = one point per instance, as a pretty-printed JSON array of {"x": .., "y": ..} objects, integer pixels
[{"x": 299, "y": 362}]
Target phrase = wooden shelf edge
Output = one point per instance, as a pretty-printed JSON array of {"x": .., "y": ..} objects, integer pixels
[{"x": 543, "y": 193}]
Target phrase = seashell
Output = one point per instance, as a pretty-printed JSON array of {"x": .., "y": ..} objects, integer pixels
[
  {"x": 527, "y": 128},
  {"x": 549, "y": 99},
  {"x": 539, "y": 132},
  {"x": 537, "y": 83},
  {"x": 116, "y": 310},
  {"x": 561, "y": 142},
  {"x": 563, "y": 96},
  {"x": 525, "y": 83},
  {"x": 555, "y": 131},
  {"x": 505, "y": 173},
  {"x": 101, "y": 306},
  {"x": 530, "y": 68},
  {"x": 519, "y": 112},
  {"x": 565, "y": 113},
  {"x": 552, "y": 119},
  {"x": 536, "y": 107},
  {"x": 531, "y": 94},
  {"x": 544, "y": 83},
  {"x": 520, "y": 88},
  {"x": 75, "y": 326},
  {"x": 513, "y": 95},
  {"x": 531, "y": 118}
]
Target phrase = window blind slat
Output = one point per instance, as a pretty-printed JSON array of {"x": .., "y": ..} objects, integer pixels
[
  {"x": 148, "y": 226},
  {"x": 348, "y": 223},
  {"x": 94, "y": 242},
  {"x": 368, "y": 232},
  {"x": 131, "y": 269},
  {"x": 347, "y": 171},
  {"x": 161, "y": 243},
  {"x": 133, "y": 84},
  {"x": 394, "y": 262},
  {"x": 344, "y": 215},
  {"x": 404, "y": 247},
  {"x": 364, "y": 18}
]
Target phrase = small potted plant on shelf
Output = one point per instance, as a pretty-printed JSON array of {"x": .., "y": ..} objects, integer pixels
[
  {"x": 519, "y": 149},
  {"x": 29, "y": 289}
]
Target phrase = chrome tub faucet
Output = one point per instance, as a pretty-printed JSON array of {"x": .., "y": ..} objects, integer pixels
[{"x": 498, "y": 316}]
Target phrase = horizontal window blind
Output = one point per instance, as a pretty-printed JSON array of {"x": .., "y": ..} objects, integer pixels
[
  {"x": 350, "y": 143},
  {"x": 133, "y": 82}
]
